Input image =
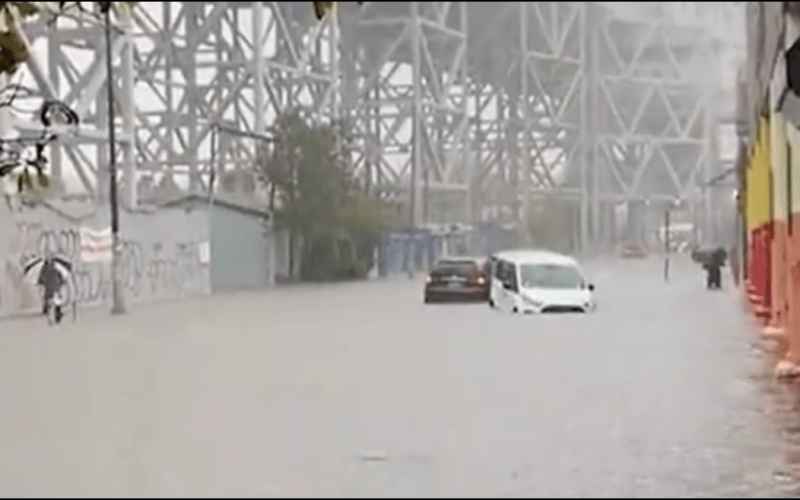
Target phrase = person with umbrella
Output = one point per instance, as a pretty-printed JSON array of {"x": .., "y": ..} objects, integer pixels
[
  {"x": 54, "y": 273},
  {"x": 715, "y": 260}
]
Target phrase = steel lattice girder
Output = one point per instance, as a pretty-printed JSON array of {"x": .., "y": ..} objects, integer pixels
[
  {"x": 233, "y": 64},
  {"x": 441, "y": 94},
  {"x": 406, "y": 92},
  {"x": 652, "y": 115},
  {"x": 75, "y": 72},
  {"x": 217, "y": 83},
  {"x": 538, "y": 95}
]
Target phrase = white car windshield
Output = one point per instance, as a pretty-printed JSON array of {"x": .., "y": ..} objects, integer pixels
[{"x": 550, "y": 276}]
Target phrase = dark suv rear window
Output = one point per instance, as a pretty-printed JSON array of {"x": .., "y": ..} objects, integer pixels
[{"x": 456, "y": 268}]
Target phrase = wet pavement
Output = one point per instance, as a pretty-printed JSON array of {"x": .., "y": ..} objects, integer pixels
[{"x": 359, "y": 389}]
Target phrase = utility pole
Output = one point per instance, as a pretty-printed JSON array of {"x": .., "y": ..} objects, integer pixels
[
  {"x": 118, "y": 304},
  {"x": 677, "y": 203},
  {"x": 666, "y": 244},
  {"x": 415, "y": 204}
]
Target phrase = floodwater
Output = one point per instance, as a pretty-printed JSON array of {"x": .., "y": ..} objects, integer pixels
[{"x": 360, "y": 389}]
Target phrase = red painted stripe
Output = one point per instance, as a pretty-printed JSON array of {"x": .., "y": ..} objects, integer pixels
[{"x": 99, "y": 245}]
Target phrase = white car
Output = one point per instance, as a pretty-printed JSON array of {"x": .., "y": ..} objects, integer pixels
[{"x": 539, "y": 282}]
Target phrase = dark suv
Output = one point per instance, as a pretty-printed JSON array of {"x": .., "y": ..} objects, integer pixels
[{"x": 457, "y": 279}]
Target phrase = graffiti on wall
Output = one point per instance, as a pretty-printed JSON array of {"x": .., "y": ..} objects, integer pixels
[
  {"x": 172, "y": 272},
  {"x": 131, "y": 267},
  {"x": 151, "y": 271}
]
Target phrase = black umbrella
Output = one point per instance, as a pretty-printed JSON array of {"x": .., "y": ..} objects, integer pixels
[
  {"x": 37, "y": 266},
  {"x": 709, "y": 255}
]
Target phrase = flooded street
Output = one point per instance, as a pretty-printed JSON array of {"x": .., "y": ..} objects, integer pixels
[
  {"x": 287, "y": 154},
  {"x": 359, "y": 389}
]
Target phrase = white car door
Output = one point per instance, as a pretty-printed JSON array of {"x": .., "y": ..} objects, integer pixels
[
  {"x": 512, "y": 289},
  {"x": 496, "y": 290},
  {"x": 505, "y": 276}
]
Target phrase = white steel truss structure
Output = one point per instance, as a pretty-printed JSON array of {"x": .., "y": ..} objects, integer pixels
[
  {"x": 652, "y": 115},
  {"x": 68, "y": 64},
  {"x": 527, "y": 91},
  {"x": 652, "y": 84},
  {"x": 228, "y": 65},
  {"x": 407, "y": 93},
  {"x": 475, "y": 102}
]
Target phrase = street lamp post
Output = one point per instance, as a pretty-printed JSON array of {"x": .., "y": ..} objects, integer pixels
[
  {"x": 677, "y": 203},
  {"x": 118, "y": 305},
  {"x": 666, "y": 244}
]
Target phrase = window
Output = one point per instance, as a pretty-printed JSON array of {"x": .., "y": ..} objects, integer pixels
[
  {"x": 497, "y": 266},
  {"x": 511, "y": 277},
  {"x": 550, "y": 276},
  {"x": 505, "y": 273},
  {"x": 456, "y": 268}
]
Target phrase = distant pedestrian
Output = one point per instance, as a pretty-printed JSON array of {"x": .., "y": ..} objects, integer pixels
[
  {"x": 713, "y": 265},
  {"x": 52, "y": 281},
  {"x": 53, "y": 274}
]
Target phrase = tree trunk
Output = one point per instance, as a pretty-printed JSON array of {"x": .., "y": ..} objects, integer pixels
[
  {"x": 291, "y": 253},
  {"x": 272, "y": 190}
]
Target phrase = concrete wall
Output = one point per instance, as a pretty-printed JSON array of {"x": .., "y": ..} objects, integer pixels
[
  {"x": 243, "y": 251},
  {"x": 773, "y": 198},
  {"x": 161, "y": 257}
]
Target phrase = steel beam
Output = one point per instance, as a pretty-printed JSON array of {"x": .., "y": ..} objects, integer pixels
[{"x": 529, "y": 95}]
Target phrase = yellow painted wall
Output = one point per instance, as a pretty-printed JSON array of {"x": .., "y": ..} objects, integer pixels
[
  {"x": 778, "y": 159},
  {"x": 758, "y": 180}
]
